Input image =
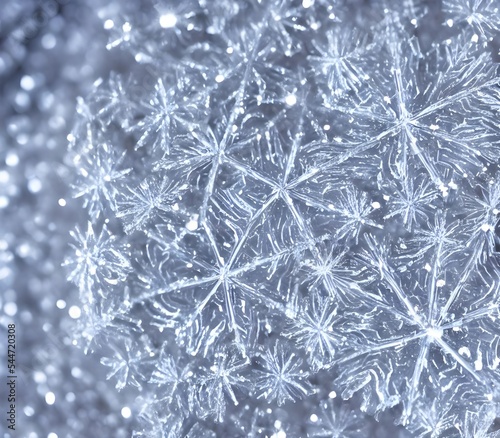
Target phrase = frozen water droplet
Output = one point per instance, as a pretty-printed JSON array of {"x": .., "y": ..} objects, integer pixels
[
  {"x": 126, "y": 412},
  {"x": 27, "y": 83},
  {"x": 74, "y": 312},
  {"x": 192, "y": 225},
  {"x": 50, "y": 398},
  {"x": 168, "y": 20},
  {"x": 291, "y": 100},
  {"x": 486, "y": 227}
]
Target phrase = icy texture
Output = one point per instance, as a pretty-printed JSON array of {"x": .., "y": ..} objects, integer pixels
[{"x": 286, "y": 193}]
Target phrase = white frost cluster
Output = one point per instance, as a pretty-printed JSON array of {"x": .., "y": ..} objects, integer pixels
[{"x": 290, "y": 199}]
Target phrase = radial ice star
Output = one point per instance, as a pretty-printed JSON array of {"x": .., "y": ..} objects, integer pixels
[{"x": 439, "y": 333}]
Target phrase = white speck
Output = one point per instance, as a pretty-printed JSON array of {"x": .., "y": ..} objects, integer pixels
[
  {"x": 229, "y": 50},
  {"x": 4, "y": 201},
  {"x": 62, "y": 202},
  {"x": 12, "y": 159},
  {"x": 291, "y": 100},
  {"x": 313, "y": 418},
  {"x": 219, "y": 78},
  {"x": 434, "y": 127},
  {"x": 375, "y": 205},
  {"x": 281, "y": 434},
  {"x": 387, "y": 100},
  {"x": 464, "y": 351},
  {"x": 168, "y": 20},
  {"x": 427, "y": 267},
  {"x": 449, "y": 22},
  {"x": 34, "y": 185},
  {"x": 50, "y": 398},
  {"x": 127, "y": 27},
  {"x": 452, "y": 185},
  {"x": 486, "y": 227},
  {"x": 29, "y": 411},
  {"x": 27, "y": 83},
  {"x": 192, "y": 225},
  {"x": 126, "y": 412},
  {"x": 48, "y": 41},
  {"x": 109, "y": 24},
  {"x": 414, "y": 21},
  {"x": 307, "y": 3},
  {"x": 175, "y": 207},
  {"x": 10, "y": 308},
  {"x": 444, "y": 190},
  {"x": 52, "y": 435},
  {"x": 475, "y": 38},
  {"x": 277, "y": 424},
  {"x": 326, "y": 127},
  {"x": 489, "y": 397},
  {"x": 440, "y": 283},
  {"x": 39, "y": 377},
  {"x": 75, "y": 312},
  {"x": 189, "y": 265},
  {"x": 332, "y": 394}
]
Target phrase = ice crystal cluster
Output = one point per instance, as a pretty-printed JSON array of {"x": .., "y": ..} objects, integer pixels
[{"x": 292, "y": 203}]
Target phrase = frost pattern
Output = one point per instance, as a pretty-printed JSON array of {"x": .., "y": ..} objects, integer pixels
[{"x": 286, "y": 198}]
